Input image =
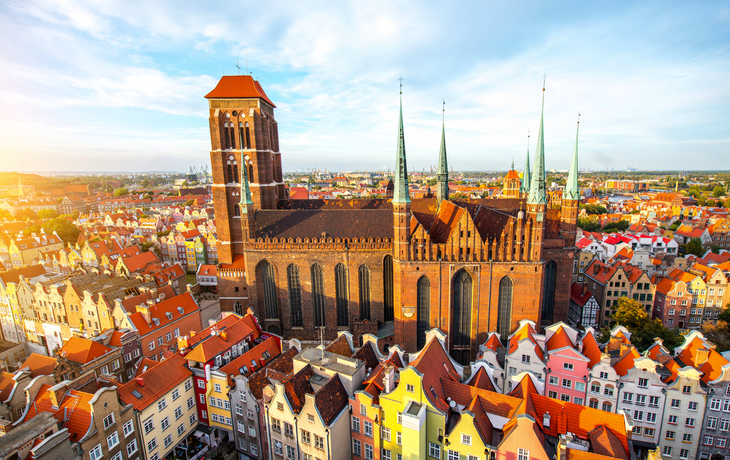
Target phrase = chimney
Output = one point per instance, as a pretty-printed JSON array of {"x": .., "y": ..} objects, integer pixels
[
  {"x": 224, "y": 336},
  {"x": 389, "y": 378},
  {"x": 57, "y": 392},
  {"x": 145, "y": 311},
  {"x": 703, "y": 354},
  {"x": 140, "y": 381}
]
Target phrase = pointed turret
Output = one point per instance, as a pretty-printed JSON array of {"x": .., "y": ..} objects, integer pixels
[
  {"x": 525, "y": 186},
  {"x": 537, "y": 185},
  {"x": 572, "y": 192},
  {"x": 400, "y": 194},
  {"x": 442, "y": 176}
]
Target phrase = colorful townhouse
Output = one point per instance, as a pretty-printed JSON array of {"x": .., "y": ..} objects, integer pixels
[
  {"x": 79, "y": 356},
  {"x": 680, "y": 300},
  {"x": 567, "y": 368},
  {"x": 247, "y": 403},
  {"x": 718, "y": 295},
  {"x": 165, "y": 412},
  {"x": 525, "y": 354},
  {"x": 219, "y": 383}
]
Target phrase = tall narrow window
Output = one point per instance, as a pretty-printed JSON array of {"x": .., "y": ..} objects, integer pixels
[
  {"x": 232, "y": 136},
  {"x": 227, "y": 136},
  {"x": 504, "y": 308},
  {"x": 236, "y": 210},
  {"x": 250, "y": 173},
  {"x": 461, "y": 317},
  {"x": 241, "y": 136},
  {"x": 388, "y": 288},
  {"x": 341, "y": 295},
  {"x": 548, "y": 293},
  {"x": 318, "y": 295},
  {"x": 248, "y": 136},
  {"x": 238, "y": 308},
  {"x": 230, "y": 179},
  {"x": 364, "y": 275},
  {"x": 235, "y": 177},
  {"x": 266, "y": 272},
  {"x": 423, "y": 311},
  {"x": 295, "y": 295}
]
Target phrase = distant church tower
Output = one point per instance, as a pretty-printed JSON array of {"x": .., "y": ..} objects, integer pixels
[{"x": 511, "y": 183}]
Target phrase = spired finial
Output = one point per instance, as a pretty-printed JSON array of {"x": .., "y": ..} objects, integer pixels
[
  {"x": 400, "y": 79},
  {"x": 443, "y": 112},
  {"x": 544, "y": 76},
  {"x": 579, "y": 117}
]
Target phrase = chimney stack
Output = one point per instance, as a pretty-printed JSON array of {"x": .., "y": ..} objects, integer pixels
[{"x": 389, "y": 378}]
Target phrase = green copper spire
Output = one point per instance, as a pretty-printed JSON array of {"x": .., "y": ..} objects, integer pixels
[
  {"x": 400, "y": 192},
  {"x": 525, "y": 186},
  {"x": 537, "y": 186},
  {"x": 572, "y": 192},
  {"x": 245, "y": 189},
  {"x": 442, "y": 176}
]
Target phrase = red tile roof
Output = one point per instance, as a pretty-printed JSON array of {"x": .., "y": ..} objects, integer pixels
[
  {"x": 435, "y": 365},
  {"x": 481, "y": 421},
  {"x": 271, "y": 345},
  {"x": 626, "y": 363},
  {"x": 297, "y": 386},
  {"x": 340, "y": 346},
  {"x": 481, "y": 380},
  {"x": 331, "y": 399},
  {"x": 239, "y": 86},
  {"x": 493, "y": 342},
  {"x": 74, "y": 411},
  {"x": 220, "y": 342},
  {"x": 6, "y": 385},
  {"x": 524, "y": 387},
  {"x": 558, "y": 340},
  {"x": 590, "y": 349},
  {"x": 157, "y": 382},
  {"x": 491, "y": 402},
  {"x": 39, "y": 365},
  {"x": 712, "y": 368},
  {"x": 579, "y": 294},
  {"x": 160, "y": 310},
  {"x": 277, "y": 369},
  {"x": 82, "y": 351},
  {"x": 525, "y": 332},
  {"x": 605, "y": 442}
]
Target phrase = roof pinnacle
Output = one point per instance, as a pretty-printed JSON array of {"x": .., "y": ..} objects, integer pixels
[
  {"x": 572, "y": 192},
  {"x": 537, "y": 186},
  {"x": 400, "y": 192}
]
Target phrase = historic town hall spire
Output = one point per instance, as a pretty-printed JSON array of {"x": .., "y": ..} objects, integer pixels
[{"x": 442, "y": 176}]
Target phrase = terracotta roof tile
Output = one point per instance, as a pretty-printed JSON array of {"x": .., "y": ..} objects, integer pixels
[
  {"x": 367, "y": 354},
  {"x": 493, "y": 343},
  {"x": 626, "y": 363},
  {"x": 39, "y": 364},
  {"x": 524, "y": 387},
  {"x": 160, "y": 311},
  {"x": 331, "y": 399},
  {"x": 435, "y": 365},
  {"x": 492, "y": 403},
  {"x": 239, "y": 86},
  {"x": 297, "y": 386},
  {"x": 559, "y": 339},
  {"x": 220, "y": 342},
  {"x": 278, "y": 369},
  {"x": 256, "y": 354},
  {"x": 481, "y": 380},
  {"x": 605, "y": 442},
  {"x": 157, "y": 381},
  {"x": 340, "y": 346},
  {"x": 82, "y": 351},
  {"x": 74, "y": 411},
  {"x": 591, "y": 349},
  {"x": 481, "y": 421},
  {"x": 6, "y": 385}
]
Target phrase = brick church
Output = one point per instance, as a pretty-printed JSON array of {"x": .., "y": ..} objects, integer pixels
[{"x": 397, "y": 266}]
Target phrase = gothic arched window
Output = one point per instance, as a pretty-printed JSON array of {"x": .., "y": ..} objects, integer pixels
[
  {"x": 235, "y": 177},
  {"x": 295, "y": 295},
  {"x": 250, "y": 173},
  {"x": 248, "y": 136},
  {"x": 461, "y": 322},
  {"x": 237, "y": 308},
  {"x": 504, "y": 308},
  {"x": 268, "y": 280},
  {"x": 548, "y": 292},
  {"x": 318, "y": 295},
  {"x": 364, "y": 275},
  {"x": 341, "y": 295},
  {"x": 230, "y": 179},
  {"x": 423, "y": 310},
  {"x": 388, "y": 288}
]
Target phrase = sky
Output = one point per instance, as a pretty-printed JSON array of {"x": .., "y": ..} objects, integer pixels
[{"x": 119, "y": 85}]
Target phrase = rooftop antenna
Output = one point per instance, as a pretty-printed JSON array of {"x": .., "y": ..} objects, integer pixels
[{"x": 238, "y": 66}]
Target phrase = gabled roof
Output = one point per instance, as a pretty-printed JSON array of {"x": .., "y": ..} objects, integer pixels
[
  {"x": 82, "y": 351},
  {"x": 160, "y": 311},
  {"x": 605, "y": 442},
  {"x": 157, "y": 382},
  {"x": 73, "y": 412},
  {"x": 13, "y": 276},
  {"x": 39, "y": 365},
  {"x": 526, "y": 331},
  {"x": 278, "y": 369},
  {"x": 492, "y": 403},
  {"x": 6, "y": 385},
  {"x": 712, "y": 367},
  {"x": 220, "y": 342},
  {"x": 481, "y": 379},
  {"x": 524, "y": 387},
  {"x": 481, "y": 421},
  {"x": 340, "y": 346},
  {"x": 256, "y": 354},
  {"x": 435, "y": 365},
  {"x": 331, "y": 399},
  {"x": 558, "y": 340},
  {"x": 367, "y": 353},
  {"x": 626, "y": 363},
  {"x": 493, "y": 343},
  {"x": 297, "y": 386},
  {"x": 590, "y": 349}
]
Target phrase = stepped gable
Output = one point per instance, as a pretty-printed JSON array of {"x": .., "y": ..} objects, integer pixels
[
  {"x": 297, "y": 386},
  {"x": 73, "y": 411},
  {"x": 435, "y": 365},
  {"x": 39, "y": 365},
  {"x": 332, "y": 223},
  {"x": 278, "y": 369},
  {"x": 331, "y": 399},
  {"x": 481, "y": 380}
]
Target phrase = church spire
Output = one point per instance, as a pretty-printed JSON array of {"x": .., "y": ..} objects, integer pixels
[
  {"x": 400, "y": 193},
  {"x": 246, "y": 200},
  {"x": 572, "y": 192},
  {"x": 442, "y": 176},
  {"x": 537, "y": 186},
  {"x": 525, "y": 187}
]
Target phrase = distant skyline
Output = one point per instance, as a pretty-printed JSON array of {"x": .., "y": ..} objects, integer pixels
[{"x": 119, "y": 86}]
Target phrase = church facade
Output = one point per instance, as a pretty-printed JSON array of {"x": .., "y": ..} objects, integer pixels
[{"x": 465, "y": 266}]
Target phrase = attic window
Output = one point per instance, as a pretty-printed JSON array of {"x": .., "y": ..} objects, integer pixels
[
  {"x": 169, "y": 315},
  {"x": 243, "y": 370},
  {"x": 136, "y": 394},
  {"x": 180, "y": 310},
  {"x": 266, "y": 355},
  {"x": 156, "y": 321}
]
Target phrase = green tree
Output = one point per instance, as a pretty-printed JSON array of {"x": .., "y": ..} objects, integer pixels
[
  {"x": 47, "y": 214},
  {"x": 631, "y": 314},
  {"x": 595, "y": 209},
  {"x": 32, "y": 229},
  {"x": 711, "y": 203},
  {"x": 694, "y": 247},
  {"x": 26, "y": 214},
  {"x": 145, "y": 183},
  {"x": 68, "y": 232},
  {"x": 727, "y": 203},
  {"x": 121, "y": 192},
  {"x": 190, "y": 202},
  {"x": 620, "y": 226},
  {"x": 718, "y": 191},
  {"x": 147, "y": 245},
  {"x": 588, "y": 225},
  {"x": 675, "y": 225}
]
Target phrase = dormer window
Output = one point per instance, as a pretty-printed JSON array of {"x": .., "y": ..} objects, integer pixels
[
  {"x": 180, "y": 310},
  {"x": 169, "y": 315},
  {"x": 156, "y": 321}
]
